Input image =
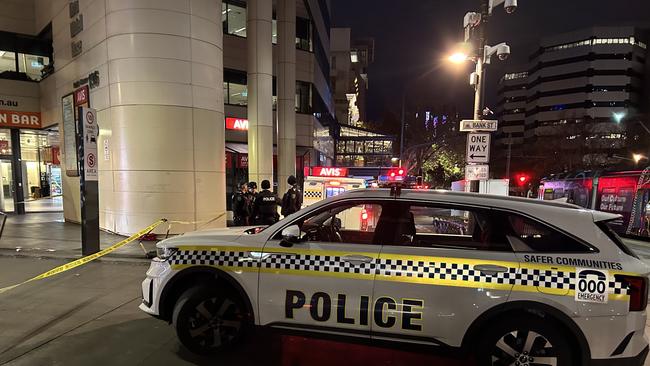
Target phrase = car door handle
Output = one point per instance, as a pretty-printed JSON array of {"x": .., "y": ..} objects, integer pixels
[
  {"x": 490, "y": 269},
  {"x": 256, "y": 256},
  {"x": 357, "y": 259}
]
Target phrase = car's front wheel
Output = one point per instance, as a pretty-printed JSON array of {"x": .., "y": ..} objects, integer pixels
[
  {"x": 208, "y": 321},
  {"x": 524, "y": 341}
]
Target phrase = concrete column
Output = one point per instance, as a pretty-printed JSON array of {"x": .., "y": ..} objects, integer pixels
[
  {"x": 286, "y": 11},
  {"x": 166, "y": 114},
  {"x": 260, "y": 90}
]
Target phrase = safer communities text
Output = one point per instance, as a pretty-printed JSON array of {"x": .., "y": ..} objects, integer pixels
[{"x": 575, "y": 262}]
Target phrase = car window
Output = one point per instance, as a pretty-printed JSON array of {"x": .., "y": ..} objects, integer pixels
[
  {"x": 354, "y": 224},
  {"x": 526, "y": 235},
  {"x": 424, "y": 225}
]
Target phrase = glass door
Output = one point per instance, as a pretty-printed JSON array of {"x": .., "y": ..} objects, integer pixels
[{"x": 7, "y": 186}]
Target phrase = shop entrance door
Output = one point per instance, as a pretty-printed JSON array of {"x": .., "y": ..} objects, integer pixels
[{"x": 6, "y": 186}]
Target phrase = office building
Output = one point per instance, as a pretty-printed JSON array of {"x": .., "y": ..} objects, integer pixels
[
  {"x": 577, "y": 101},
  {"x": 350, "y": 58},
  {"x": 191, "y": 97}
]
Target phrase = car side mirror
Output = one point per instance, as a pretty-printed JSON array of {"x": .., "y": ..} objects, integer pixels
[{"x": 290, "y": 236}]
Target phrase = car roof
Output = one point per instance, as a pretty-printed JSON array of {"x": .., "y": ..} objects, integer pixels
[{"x": 440, "y": 195}]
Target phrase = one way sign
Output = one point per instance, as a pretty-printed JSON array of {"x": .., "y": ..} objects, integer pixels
[{"x": 478, "y": 148}]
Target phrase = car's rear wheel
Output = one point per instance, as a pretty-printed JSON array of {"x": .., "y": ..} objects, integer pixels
[
  {"x": 209, "y": 320},
  {"x": 524, "y": 341}
]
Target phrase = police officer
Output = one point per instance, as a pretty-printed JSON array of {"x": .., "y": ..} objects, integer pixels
[
  {"x": 251, "y": 195},
  {"x": 241, "y": 207},
  {"x": 265, "y": 208},
  {"x": 292, "y": 200}
]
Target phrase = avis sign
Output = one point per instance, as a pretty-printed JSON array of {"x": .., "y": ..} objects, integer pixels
[
  {"x": 478, "y": 148},
  {"x": 237, "y": 124},
  {"x": 322, "y": 171}
]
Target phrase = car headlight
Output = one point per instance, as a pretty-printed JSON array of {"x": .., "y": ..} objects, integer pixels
[{"x": 165, "y": 253}]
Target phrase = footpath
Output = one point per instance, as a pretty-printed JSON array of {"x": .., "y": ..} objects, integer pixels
[{"x": 48, "y": 235}]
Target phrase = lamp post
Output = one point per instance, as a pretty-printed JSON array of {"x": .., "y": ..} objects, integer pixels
[{"x": 475, "y": 27}]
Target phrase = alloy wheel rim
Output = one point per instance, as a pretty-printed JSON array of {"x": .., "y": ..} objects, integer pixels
[
  {"x": 524, "y": 348},
  {"x": 215, "y": 322}
]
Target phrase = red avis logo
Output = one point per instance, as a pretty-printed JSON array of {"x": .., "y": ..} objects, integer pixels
[
  {"x": 329, "y": 171},
  {"x": 240, "y": 124}
]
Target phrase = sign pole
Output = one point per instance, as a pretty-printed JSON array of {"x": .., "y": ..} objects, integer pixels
[
  {"x": 87, "y": 153},
  {"x": 477, "y": 150}
]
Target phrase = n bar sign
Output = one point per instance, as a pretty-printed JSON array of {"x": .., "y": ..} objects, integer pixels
[
  {"x": 15, "y": 119},
  {"x": 478, "y": 148}
]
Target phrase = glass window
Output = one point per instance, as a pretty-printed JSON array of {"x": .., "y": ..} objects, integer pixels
[
  {"x": 32, "y": 65},
  {"x": 226, "y": 94},
  {"x": 237, "y": 94},
  {"x": 5, "y": 142},
  {"x": 303, "y": 97},
  {"x": 274, "y": 34},
  {"x": 303, "y": 34},
  {"x": 527, "y": 235},
  {"x": 235, "y": 19},
  {"x": 354, "y": 224},
  {"x": 7, "y": 61},
  {"x": 437, "y": 226}
]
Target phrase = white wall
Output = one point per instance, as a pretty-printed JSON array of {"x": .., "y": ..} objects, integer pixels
[{"x": 17, "y": 16}]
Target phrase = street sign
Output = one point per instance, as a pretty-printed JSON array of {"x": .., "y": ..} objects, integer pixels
[
  {"x": 478, "y": 125},
  {"x": 478, "y": 148},
  {"x": 88, "y": 185},
  {"x": 90, "y": 132},
  {"x": 477, "y": 172}
]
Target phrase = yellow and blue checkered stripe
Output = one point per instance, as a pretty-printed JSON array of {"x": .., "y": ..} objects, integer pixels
[{"x": 441, "y": 271}]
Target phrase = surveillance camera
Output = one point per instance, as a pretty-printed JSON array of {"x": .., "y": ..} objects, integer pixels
[
  {"x": 503, "y": 51},
  {"x": 510, "y": 6}
]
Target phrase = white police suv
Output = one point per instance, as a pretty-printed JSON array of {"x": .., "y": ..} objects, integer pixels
[{"x": 513, "y": 281}]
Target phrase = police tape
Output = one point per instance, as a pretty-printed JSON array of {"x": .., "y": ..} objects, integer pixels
[
  {"x": 202, "y": 223},
  {"x": 90, "y": 258}
]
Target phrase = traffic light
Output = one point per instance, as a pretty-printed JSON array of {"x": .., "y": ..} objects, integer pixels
[
  {"x": 396, "y": 174},
  {"x": 522, "y": 179}
]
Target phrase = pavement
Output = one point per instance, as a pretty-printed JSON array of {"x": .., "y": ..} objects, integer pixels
[
  {"x": 90, "y": 315},
  {"x": 47, "y": 234}
]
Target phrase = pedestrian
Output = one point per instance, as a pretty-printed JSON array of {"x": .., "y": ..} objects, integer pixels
[
  {"x": 292, "y": 199},
  {"x": 265, "y": 208},
  {"x": 241, "y": 207}
]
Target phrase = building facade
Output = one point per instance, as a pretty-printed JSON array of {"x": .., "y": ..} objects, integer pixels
[
  {"x": 578, "y": 100},
  {"x": 350, "y": 59},
  {"x": 186, "y": 93}
]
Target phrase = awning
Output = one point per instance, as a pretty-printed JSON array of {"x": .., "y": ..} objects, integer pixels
[{"x": 240, "y": 148}]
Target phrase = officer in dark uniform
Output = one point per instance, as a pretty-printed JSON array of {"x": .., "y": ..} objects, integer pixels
[
  {"x": 241, "y": 207},
  {"x": 265, "y": 209},
  {"x": 292, "y": 199},
  {"x": 251, "y": 195}
]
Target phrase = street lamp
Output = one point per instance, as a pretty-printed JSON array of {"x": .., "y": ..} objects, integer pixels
[
  {"x": 618, "y": 116},
  {"x": 638, "y": 157},
  {"x": 458, "y": 57}
]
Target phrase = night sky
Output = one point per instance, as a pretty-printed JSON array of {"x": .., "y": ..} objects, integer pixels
[{"x": 412, "y": 38}]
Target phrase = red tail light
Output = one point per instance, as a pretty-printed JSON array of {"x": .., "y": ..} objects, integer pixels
[{"x": 637, "y": 288}]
